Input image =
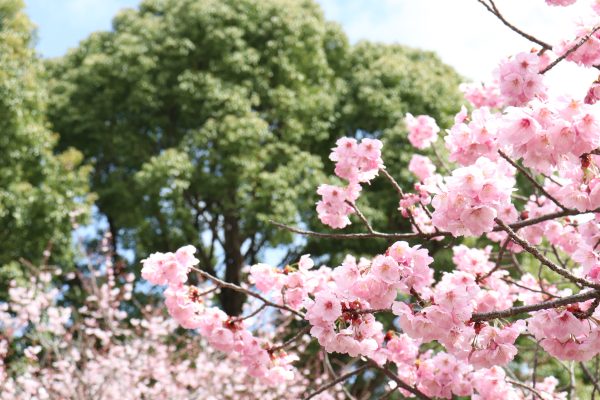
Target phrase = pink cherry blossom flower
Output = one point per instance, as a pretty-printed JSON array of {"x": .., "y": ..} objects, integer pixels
[
  {"x": 560, "y": 2},
  {"x": 495, "y": 346},
  {"x": 326, "y": 307},
  {"x": 169, "y": 268},
  {"x": 422, "y": 130},
  {"x": 421, "y": 166},
  {"x": 519, "y": 79},
  {"x": 386, "y": 269}
]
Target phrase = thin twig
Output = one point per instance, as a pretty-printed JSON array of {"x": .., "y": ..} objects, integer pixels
[
  {"x": 494, "y": 10},
  {"x": 398, "y": 189},
  {"x": 510, "y": 281},
  {"x": 589, "y": 375},
  {"x": 365, "y": 235},
  {"x": 563, "y": 301},
  {"x": 531, "y": 179},
  {"x": 329, "y": 367},
  {"x": 535, "y": 365},
  {"x": 361, "y": 216},
  {"x": 498, "y": 260},
  {"x": 371, "y": 311},
  {"x": 240, "y": 289},
  {"x": 400, "y": 382},
  {"x": 291, "y": 340},
  {"x": 392, "y": 181},
  {"x": 543, "y": 259},
  {"x": 342, "y": 378},
  {"x": 440, "y": 159},
  {"x": 208, "y": 291},
  {"x": 524, "y": 386},
  {"x": 252, "y": 314},
  {"x": 577, "y": 45}
]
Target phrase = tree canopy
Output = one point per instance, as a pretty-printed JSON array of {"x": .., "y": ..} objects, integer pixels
[
  {"x": 203, "y": 120},
  {"x": 39, "y": 191}
]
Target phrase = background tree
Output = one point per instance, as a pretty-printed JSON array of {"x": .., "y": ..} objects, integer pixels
[
  {"x": 38, "y": 189},
  {"x": 383, "y": 83},
  {"x": 200, "y": 118}
]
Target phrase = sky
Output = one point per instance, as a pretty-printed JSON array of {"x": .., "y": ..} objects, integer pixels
[{"x": 462, "y": 32}]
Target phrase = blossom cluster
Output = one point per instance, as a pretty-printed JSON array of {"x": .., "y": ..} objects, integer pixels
[
  {"x": 356, "y": 163},
  {"x": 560, "y": 2},
  {"x": 564, "y": 334},
  {"x": 520, "y": 80},
  {"x": 446, "y": 317},
  {"x": 340, "y": 303},
  {"x": 483, "y": 95},
  {"x": 110, "y": 356},
  {"x": 422, "y": 130},
  {"x": 187, "y": 306},
  {"x": 457, "y": 329},
  {"x": 474, "y": 196},
  {"x": 473, "y": 137},
  {"x": 550, "y": 135},
  {"x": 588, "y": 54}
]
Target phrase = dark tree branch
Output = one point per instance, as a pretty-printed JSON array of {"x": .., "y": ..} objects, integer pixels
[
  {"x": 512, "y": 311},
  {"x": 331, "y": 384},
  {"x": 227, "y": 285},
  {"x": 589, "y": 375},
  {"x": 563, "y": 301},
  {"x": 361, "y": 216},
  {"x": 543, "y": 259},
  {"x": 531, "y": 179},
  {"x": 398, "y": 236},
  {"x": 291, "y": 340},
  {"x": 577, "y": 45},
  {"x": 400, "y": 382},
  {"x": 375, "y": 234},
  {"x": 398, "y": 189},
  {"x": 494, "y": 10}
]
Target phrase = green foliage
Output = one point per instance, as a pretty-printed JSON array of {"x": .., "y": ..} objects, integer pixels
[
  {"x": 38, "y": 189},
  {"x": 205, "y": 119},
  {"x": 383, "y": 83}
]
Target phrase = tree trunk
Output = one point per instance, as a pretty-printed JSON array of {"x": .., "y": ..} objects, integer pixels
[
  {"x": 231, "y": 300},
  {"x": 113, "y": 236}
]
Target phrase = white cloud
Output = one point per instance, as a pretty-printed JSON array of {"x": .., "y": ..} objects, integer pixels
[{"x": 463, "y": 33}]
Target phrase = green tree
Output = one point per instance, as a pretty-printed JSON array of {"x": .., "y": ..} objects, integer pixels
[
  {"x": 383, "y": 83},
  {"x": 205, "y": 119},
  {"x": 38, "y": 189}
]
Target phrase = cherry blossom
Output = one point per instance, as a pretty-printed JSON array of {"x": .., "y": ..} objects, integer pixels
[
  {"x": 502, "y": 257},
  {"x": 422, "y": 130}
]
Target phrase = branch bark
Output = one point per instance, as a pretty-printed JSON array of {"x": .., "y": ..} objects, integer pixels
[
  {"x": 342, "y": 378},
  {"x": 492, "y": 8},
  {"x": 231, "y": 286},
  {"x": 509, "y": 312},
  {"x": 531, "y": 179},
  {"x": 543, "y": 259}
]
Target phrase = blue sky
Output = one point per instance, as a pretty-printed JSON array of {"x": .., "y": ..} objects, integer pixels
[
  {"x": 460, "y": 31},
  {"x": 63, "y": 23}
]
